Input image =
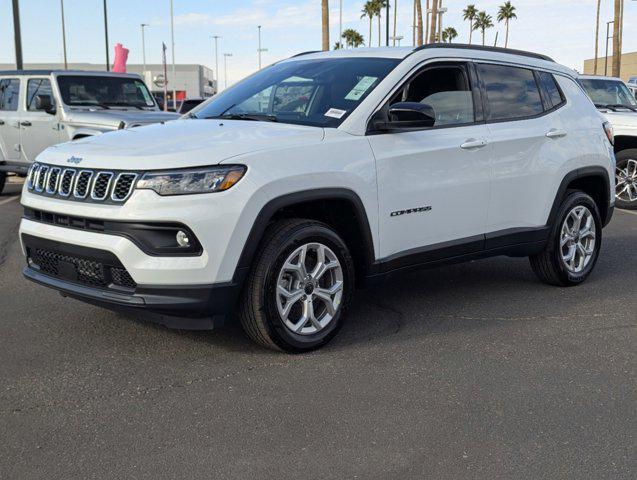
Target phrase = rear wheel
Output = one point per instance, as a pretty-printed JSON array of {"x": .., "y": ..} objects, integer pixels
[
  {"x": 299, "y": 288},
  {"x": 573, "y": 247},
  {"x": 626, "y": 180},
  {"x": 3, "y": 179}
]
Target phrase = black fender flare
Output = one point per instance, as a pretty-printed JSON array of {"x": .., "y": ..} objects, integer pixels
[
  {"x": 268, "y": 211},
  {"x": 596, "y": 171}
]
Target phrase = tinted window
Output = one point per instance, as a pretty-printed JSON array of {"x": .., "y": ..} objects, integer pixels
[
  {"x": 550, "y": 87},
  {"x": 511, "y": 92},
  {"x": 319, "y": 92},
  {"x": 38, "y": 86},
  {"x": 85, "y": 90},
  {"x": 446, "y": 90},
  {"x": 9, "y": 91},
  {"x": 608, "y": 92}
]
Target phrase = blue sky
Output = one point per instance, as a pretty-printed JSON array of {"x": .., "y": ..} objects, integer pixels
[{"x": 563, "y": 29}]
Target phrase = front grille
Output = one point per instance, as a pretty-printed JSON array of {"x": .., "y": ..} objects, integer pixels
[
  {"x": 85, "y": 271},
  {"x": 83, "y": 185}
]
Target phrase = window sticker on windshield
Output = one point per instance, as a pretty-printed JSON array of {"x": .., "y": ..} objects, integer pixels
[
  {"x": 335, "y": 113},
  {"x": 361, "y": 87}
]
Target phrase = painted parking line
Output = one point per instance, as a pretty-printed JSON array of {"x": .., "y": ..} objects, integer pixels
[{"x": 10, "y": 199}]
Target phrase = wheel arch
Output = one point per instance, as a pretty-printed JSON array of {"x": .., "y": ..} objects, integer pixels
[
  {"x": 336, "y": 207},
  {"x": 595, "y": 182}
]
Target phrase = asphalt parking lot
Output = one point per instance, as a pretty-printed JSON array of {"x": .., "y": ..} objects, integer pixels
[{"x": 469, "y": 371}]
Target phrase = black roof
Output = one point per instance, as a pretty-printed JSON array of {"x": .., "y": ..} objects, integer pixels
[
  {"x": 57, "y": 70},
  {"x": 485, "y": 48},
  {"x": 26, "y": 72}
]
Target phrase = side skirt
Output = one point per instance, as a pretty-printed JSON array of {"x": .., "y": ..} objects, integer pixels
[{"x": 516, "y": 242}]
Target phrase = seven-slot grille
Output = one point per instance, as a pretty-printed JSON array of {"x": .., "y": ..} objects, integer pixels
[{"x": 88, "y": 185}]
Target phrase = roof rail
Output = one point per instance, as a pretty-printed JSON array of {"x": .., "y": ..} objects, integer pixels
[
  {"x": 485, "y": 48},
  {"x": 305, "y": 53}
]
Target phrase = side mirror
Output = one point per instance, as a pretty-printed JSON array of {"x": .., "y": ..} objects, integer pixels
[
  {"x": 44, "y": 103},
  {"x": 411, "y": 115}
]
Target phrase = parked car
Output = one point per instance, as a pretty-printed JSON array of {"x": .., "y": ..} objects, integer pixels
[
  {"x": 189, "y": 104},
  {"x": 633, "y": 89},
  {"x": 40, "y": 108},
  {"x": 363, "y": 164},
  {"x": 618, "y": 104}
]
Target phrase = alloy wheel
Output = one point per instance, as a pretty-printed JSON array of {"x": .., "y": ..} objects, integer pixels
[
  {"x": 309, "y": 288},
  {"x": 626, "y": 185},
  {"x": 578, "y": 239}
]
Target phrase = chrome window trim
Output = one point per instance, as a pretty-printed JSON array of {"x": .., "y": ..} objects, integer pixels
[
  {"x": 88, "y": 184},
  {"x": 130, "y": 190},
  {"x": 108, "y": 185}
]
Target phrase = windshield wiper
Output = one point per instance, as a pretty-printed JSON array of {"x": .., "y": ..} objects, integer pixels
[
  {"x": 90, "y": 104},
  {"x": 124, "y": 104},
  {"x": 258, "y": 117},
  {"x": 615, "y": 106}
]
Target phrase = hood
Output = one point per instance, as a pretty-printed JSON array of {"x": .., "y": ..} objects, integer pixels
[
  {"x": 620, "y": 118},
  {"x": 113, "y": 117},
  {"x": 180, "y": 144}
]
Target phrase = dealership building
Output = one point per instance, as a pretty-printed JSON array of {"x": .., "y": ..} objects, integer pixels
[
  {"x": 190, "y": 81},
  {"x": 628, "y": 70}
]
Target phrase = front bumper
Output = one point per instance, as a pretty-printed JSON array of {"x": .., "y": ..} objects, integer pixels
[{"x": 85, "y": 274}]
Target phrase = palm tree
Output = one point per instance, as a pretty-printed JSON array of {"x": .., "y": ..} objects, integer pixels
[
  {"x": 352, "y": 38},
  {"x": 470, "y": 14},
  {"x": 326, "y": 24},
  {"x": 419, "y": 21},
  {"x": 599, "y": 4},
  {"x": 338, "y": 46},
  {"x": 482, "y": 22},
  {"x": 369, "y": 11},
  {"x": 379, "y": 5},
  {"x": 506, "y": 13},
  {"x": 434, "y": 18},
  {"x": 448, "y": 34}
]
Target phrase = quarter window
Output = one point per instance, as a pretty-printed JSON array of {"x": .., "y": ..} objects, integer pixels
[
  {"x": 512, "y": 92},
  {"x": 553, "y": 92},
  {"x": 9, "y": 91},
  {"x": 446, "y": 90},
  {"x": 35, "y": 87}
]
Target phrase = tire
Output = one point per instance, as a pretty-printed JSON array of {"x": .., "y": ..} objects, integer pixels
[
  {"x": 550, "y": 265},
  {"x": 3, "y": 179},
  {"x": 263, "y": 305},
  {"x": 626, "y": 178}
]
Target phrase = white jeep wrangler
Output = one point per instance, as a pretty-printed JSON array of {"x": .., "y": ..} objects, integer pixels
[
  {"x": 40, "y": 108},
  {"x": 617, "y": 103},
  {"x": 322, "y": 172}
]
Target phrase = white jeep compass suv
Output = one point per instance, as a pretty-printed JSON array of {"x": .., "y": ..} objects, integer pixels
[{"x": 322, "y": 172}]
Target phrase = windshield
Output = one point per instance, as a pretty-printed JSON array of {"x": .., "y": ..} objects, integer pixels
[
  {"x": 319, "y": 93},
  {"x": 608, "y": 93},
  {"x": 84, "y": 90}
]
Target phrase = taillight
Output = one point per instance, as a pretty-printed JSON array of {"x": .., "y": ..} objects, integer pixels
[{"x": 608, "y": 130}]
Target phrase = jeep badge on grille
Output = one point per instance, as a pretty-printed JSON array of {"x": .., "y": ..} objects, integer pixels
[{"x": 74, "y": 160}]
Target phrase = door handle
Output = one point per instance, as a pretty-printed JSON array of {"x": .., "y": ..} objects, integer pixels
[
  {"x": 473, "y": 143},
  {"x": 26, "y": 123},
  {"x": 555, "y": 133}
]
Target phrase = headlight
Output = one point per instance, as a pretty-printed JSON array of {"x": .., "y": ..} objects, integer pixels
[{"x": 186, "y": 182}]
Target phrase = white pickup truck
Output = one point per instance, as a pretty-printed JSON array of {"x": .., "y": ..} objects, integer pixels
[{"x": 40, "y": 108}]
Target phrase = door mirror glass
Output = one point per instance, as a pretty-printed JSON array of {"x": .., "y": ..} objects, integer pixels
[{"x": 44, "y": 103}]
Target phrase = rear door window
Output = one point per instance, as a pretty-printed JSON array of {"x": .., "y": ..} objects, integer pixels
[
  {"x": 512, "y": 92},
  {"x": 9, "y": 93}
]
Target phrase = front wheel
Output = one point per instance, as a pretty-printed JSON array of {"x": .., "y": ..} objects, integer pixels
[
  {"x": 299, "y": 287},
  {"x": 626, "y": 180},
  {"x": 573, "y": 247}
]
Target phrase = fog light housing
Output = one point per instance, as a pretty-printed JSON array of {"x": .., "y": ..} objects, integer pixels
[{"x": 182, "y": 239}]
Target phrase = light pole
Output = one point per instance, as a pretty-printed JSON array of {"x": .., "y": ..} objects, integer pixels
[
  {"x": 216, "y": 37},
  {"x": 260, "y": 50},
  {"x": 397, "y": 38},
  {"x": 172, "y": 36},
  {"x": 340, "y": 22},
  {"x": 108, "y": 62},
  {"x": 225, "y": 69},
  {"x": 607, "y": 38},
  {"x": 66, "y": 65},
  {"x": 142, "y": 25}
]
